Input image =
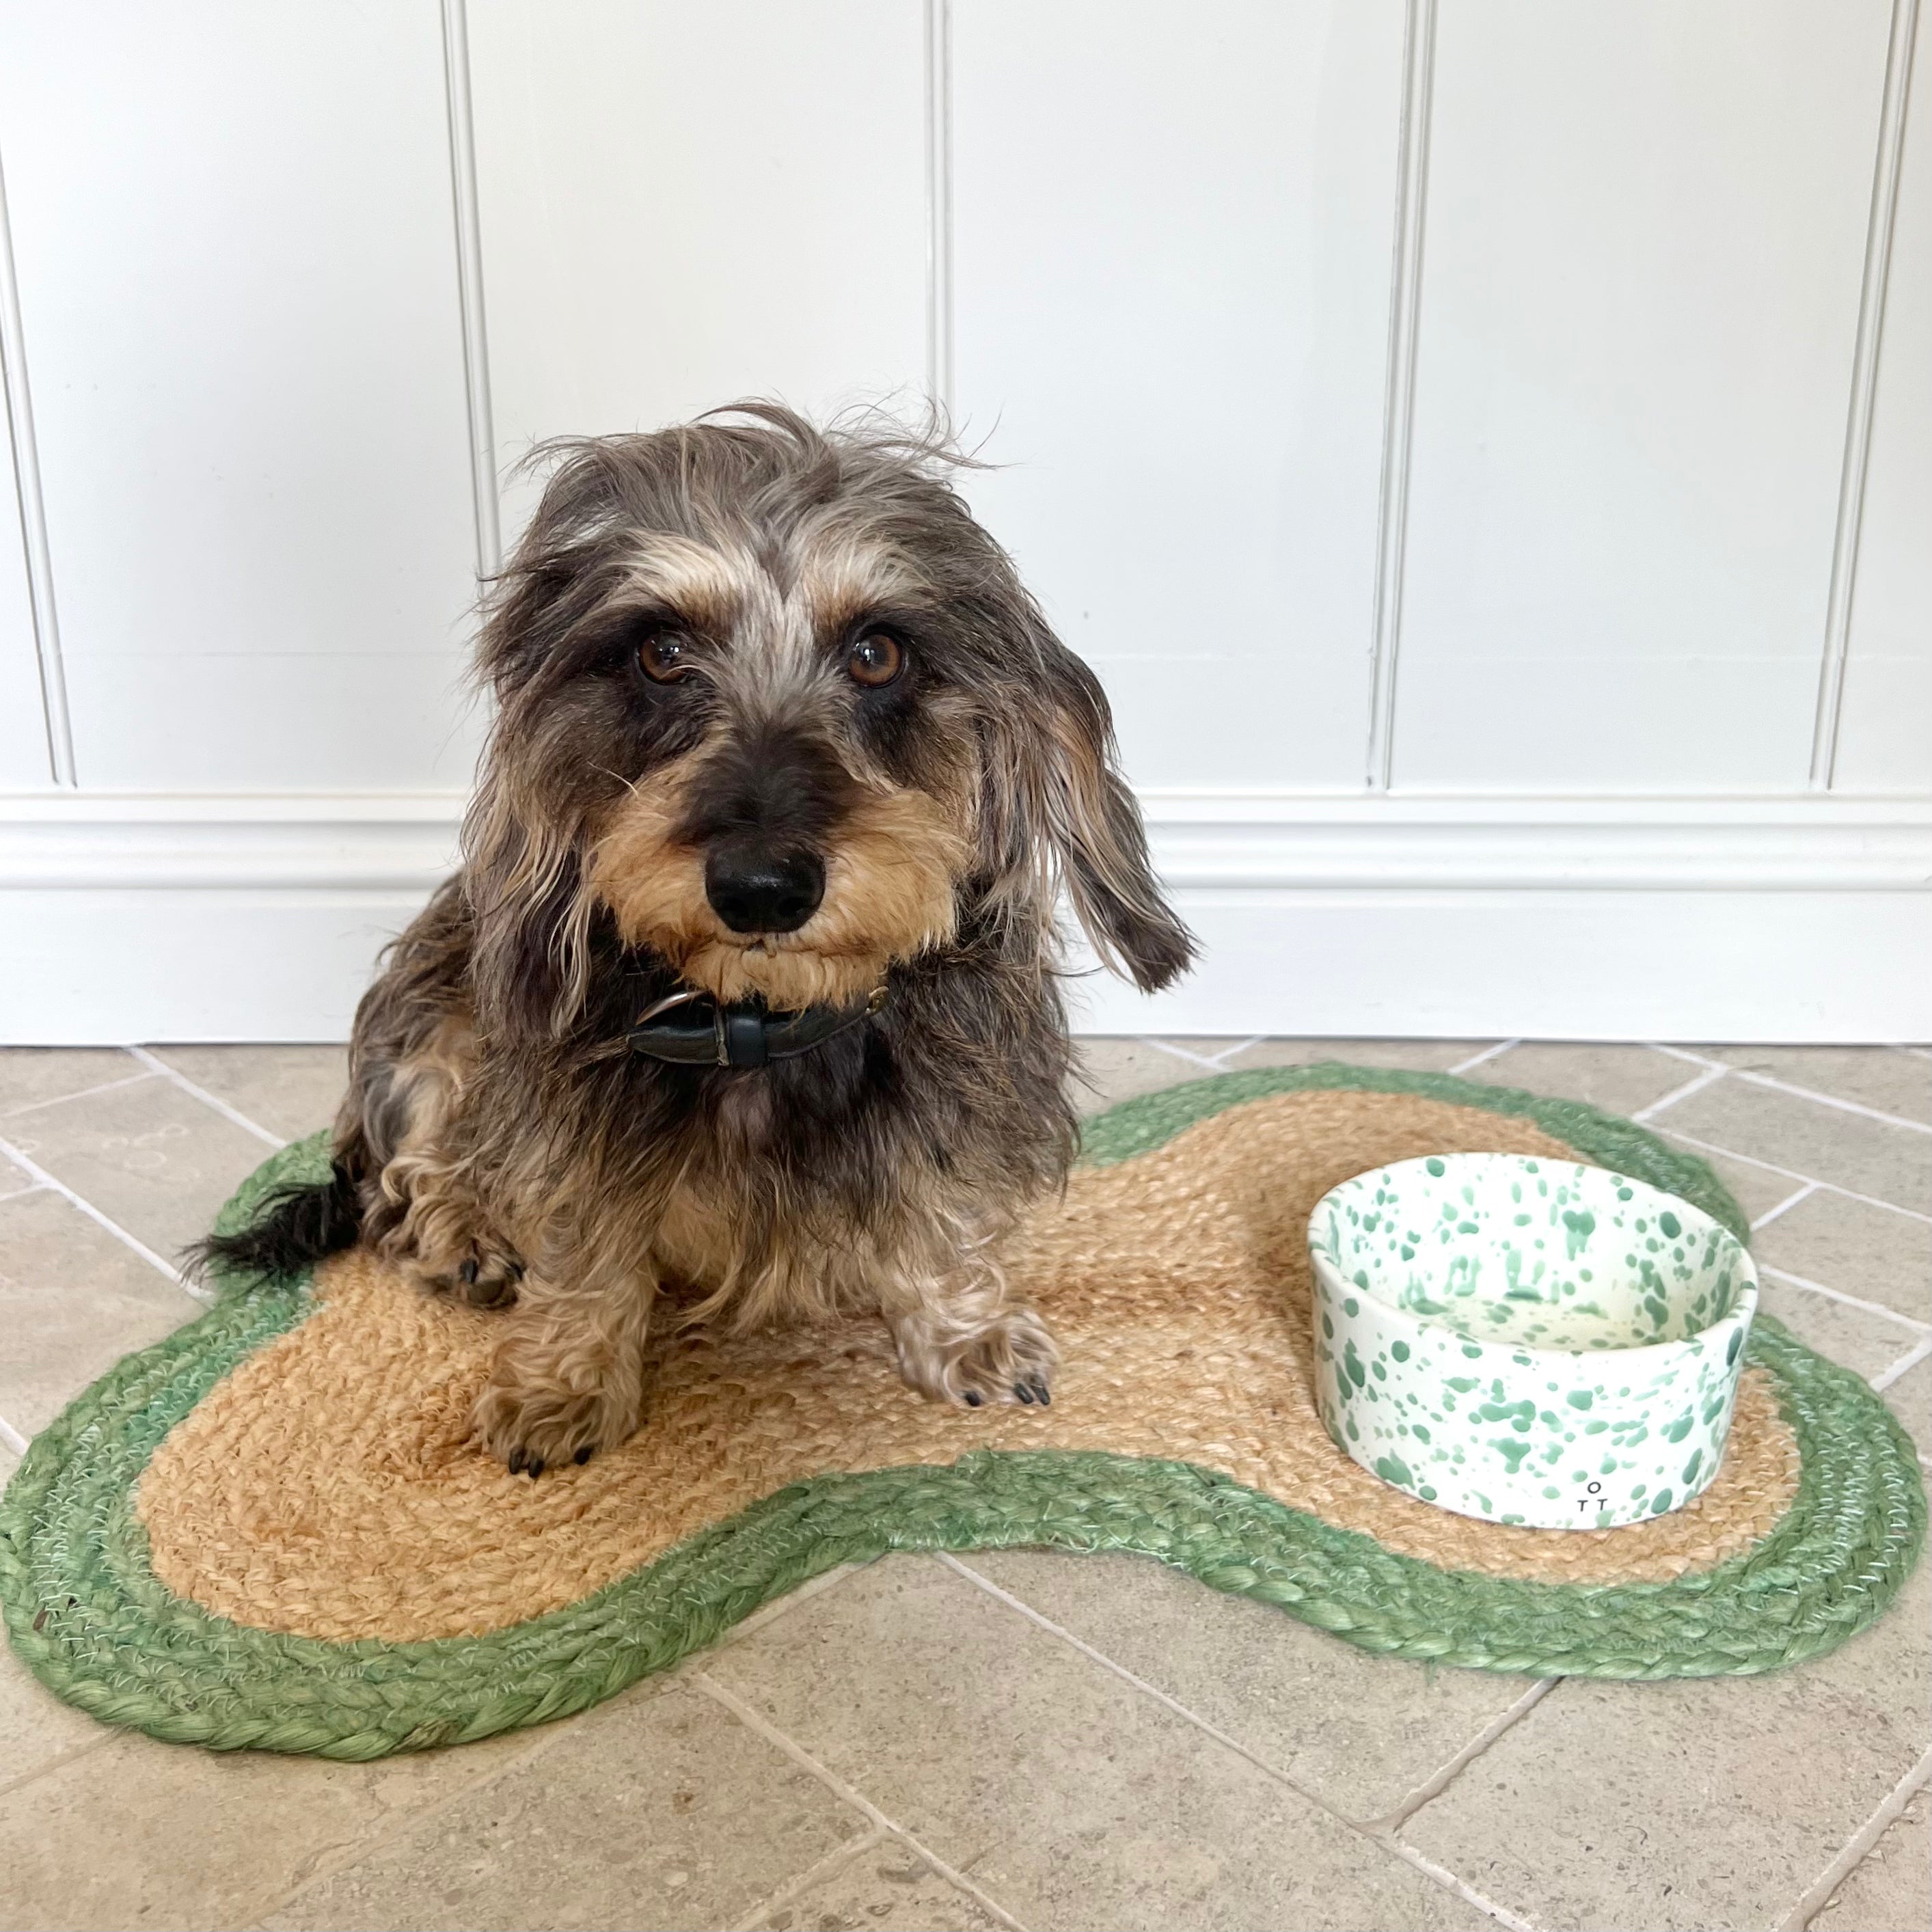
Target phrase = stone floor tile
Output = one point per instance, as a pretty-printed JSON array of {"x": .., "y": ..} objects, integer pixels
[
  {"x": 36, "y": 1729},
  {"x": 1072, "y": 1798},
  {"x": 1700, "y": 1805},
  {"x": 29, "y": 1075},
  {"x": 1756, "y": 1189},
  {"x": 148, "y": 1834},
  {"x": 14, "y": 1179},
  {"x": 1620, "y": 1079},
  {"x": 1111, "y": 1070},
  {"x": 1854, "y": 1337},
  {"x": 1421, "y": 1056},
  {"x": 73, "y": 1301},
  {"x": 1357, "y": 1731},
  {"x": 291, "y": 1091},
  {"x": 1824, "y": 1143},
  {"x": 1874, "y": 1076},
  {"x": 1858, "y": 1248},
  {"x": 1911, "y": 1399},
  {"x": 882, "y": 1885},
  {"x": 660, "y": 1809},
  {"x": 1891, "y": 1889},
  {"x": 151, "y": 1158}
]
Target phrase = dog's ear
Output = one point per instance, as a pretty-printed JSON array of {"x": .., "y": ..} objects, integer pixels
[
  {"x": 531, "y": 909},
  {"x": 1056, "y": 809}
]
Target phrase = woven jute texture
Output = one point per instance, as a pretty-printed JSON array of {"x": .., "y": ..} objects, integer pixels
[
  {"x": 327, "y": 1487},
  {"x": 269, "y": 1531}
]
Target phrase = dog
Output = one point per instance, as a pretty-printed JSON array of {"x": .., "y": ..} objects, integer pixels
[{"x": 744, "y": 1005}]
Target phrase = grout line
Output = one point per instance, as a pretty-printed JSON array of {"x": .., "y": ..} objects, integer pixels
[
  {"x": 42, "y": 606},
  {"x": 1227, "y": 1053},
  {"x": 109, "y": 1734},
  {"x": 486, "y": 505},
  {"x": 12, "y": 1437},
  {"x": 1831, "y": 1100},
  {"x": 159, "y": 1065},
  {"x": 1778, "y": 1086},
  {"x": 1683, "y": 1053},
  {"x": 1791, "y": 1173},
  {"x": 1140, "y": 1684},
  {"x": 1418, "y": 47},
  {"x": 1880, "y": 225},
  {"x": 1181, "y": 1053},
  {"x": 1488, "y": 1053},
  {"x": 938, "y": 48},
  {"x": 1435, "y": 1785},
  {"x": 114, "y": 1228},
  {"x": 1785, "y": 1206},
  {"x": 21, "y": 1193},
  {"x": 1905, "y": 1363},
  {"x": 1709, "y": 1077},
  {"x": 802, "y": 1882},
  {"x": 542, "y": 1739},
  {"x": 1815, "y": 1898},
  {"x": 1463, "y": 1890},
  {"x": 1375, "y": 1834},
  {"x": 1850, "y": 1301},
  {"x": 755, "y": 1721},
  {"x": 770, "y": 1613},
  {"x": 86, "y": 1093}
]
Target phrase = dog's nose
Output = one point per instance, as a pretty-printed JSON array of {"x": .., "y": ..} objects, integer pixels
[{"x": 753, "y": 890}]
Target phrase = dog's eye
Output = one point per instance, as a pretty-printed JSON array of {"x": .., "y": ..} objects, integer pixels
[
  {"x": 875, "y": 659},
  {"x": 664, "y": 656}
]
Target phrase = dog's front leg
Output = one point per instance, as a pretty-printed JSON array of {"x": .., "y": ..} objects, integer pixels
[
  {"x": 961, "y": 1333},
  {"x": 567, "y": 1378}
]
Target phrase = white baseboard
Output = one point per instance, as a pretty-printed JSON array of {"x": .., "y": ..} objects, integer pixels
[{"x": 129, "y": 917}]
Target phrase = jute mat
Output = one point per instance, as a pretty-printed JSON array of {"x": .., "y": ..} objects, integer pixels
[{"x": 273, "y": 1529}]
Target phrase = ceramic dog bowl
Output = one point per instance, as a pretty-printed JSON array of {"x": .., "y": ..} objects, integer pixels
[{"x": 1528, "y": 1341}]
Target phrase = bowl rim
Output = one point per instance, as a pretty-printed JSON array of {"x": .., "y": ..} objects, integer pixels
[{"x": 1742, "y": 1312}]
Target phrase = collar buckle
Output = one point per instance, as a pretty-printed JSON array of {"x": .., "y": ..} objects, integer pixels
[{"x": 743, "y": 1036}]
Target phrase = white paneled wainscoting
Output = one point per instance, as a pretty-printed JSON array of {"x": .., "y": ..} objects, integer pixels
[
  {"x": 254, "y": 916},
  {"x": 1485, "y": 447}
]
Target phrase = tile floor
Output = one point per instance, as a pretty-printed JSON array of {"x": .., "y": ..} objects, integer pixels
[{"x": 1022, "y": 1739}]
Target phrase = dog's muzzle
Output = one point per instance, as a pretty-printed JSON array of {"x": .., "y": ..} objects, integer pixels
[{"x": 692, "y": 1029}]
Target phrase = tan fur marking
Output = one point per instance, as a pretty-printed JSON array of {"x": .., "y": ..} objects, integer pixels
[{"x": 889, "y": 895}]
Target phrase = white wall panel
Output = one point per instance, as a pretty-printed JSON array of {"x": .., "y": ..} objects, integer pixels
[
  {"x": 682, "y": 205},
  {"x": 1172, "y": 229},
  {"x": 1885, "y": 732},
  {"x": 1644, "y": 234},
  {"x": 23, "y": 735},
  {"x": 232, "y": 224}
]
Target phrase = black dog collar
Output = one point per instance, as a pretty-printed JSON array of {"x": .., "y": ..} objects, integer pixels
[{"x": 693, "y": 1029}]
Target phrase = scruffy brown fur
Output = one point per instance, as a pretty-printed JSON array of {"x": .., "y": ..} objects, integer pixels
[{"x": 684, "y": 658}]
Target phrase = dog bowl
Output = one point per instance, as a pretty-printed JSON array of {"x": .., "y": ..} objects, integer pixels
[{"x": 1528, "y": 1341}]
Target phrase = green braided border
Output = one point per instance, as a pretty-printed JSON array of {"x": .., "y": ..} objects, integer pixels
[{"x": 86, "y": 1612}]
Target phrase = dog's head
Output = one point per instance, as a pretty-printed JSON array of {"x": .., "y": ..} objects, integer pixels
[{"x": 770, "y": 698}]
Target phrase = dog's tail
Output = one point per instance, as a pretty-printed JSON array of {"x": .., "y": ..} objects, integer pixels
[{"x": 295, "y": 1227}]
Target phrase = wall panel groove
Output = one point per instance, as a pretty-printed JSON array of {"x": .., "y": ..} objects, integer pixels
[
  {"x": 475, "y": 333},
  {"x": 38, "y": 555},
  {"x": 1399, "y": 409},
  {"x": 939, "y": 201},
  {"x": 1885, "y": 172}
]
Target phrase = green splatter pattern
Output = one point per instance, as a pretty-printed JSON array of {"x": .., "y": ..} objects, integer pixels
[{"x": 1528, "y": 1341}]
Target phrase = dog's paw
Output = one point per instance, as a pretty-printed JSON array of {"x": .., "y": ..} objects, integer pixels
[
  {"x": 1012, "y": 1359},
  {"x": 484, "y": 1275},
  {"x": 529, "y": 1430}
]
